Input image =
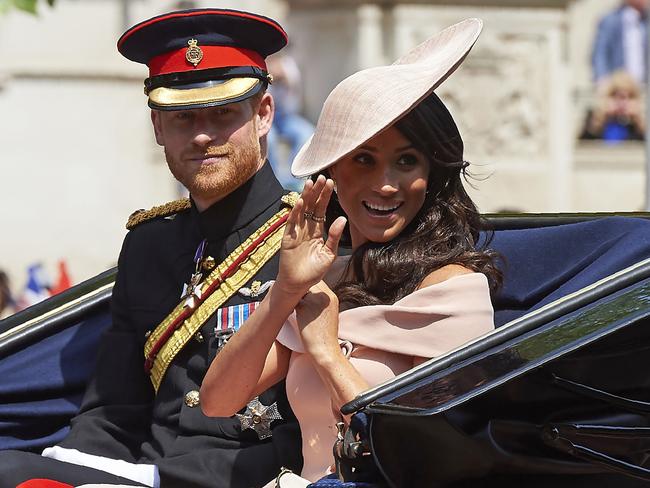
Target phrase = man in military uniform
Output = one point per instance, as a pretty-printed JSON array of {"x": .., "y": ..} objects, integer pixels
[{"x": 190, "y": 272}]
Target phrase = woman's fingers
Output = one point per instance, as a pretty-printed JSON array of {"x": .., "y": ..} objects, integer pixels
[
  {"x": 335, "y": 233},
  {"x": 313, "y": 192},
  {"x": 306, "y": 218},
  {"x": 306, "y": 194},
  {"x": 323, "y": 198},
  {"x": 296, "y": 216}
]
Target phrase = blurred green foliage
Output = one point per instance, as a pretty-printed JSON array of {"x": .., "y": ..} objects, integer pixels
[{"x": 30, "y": 6}]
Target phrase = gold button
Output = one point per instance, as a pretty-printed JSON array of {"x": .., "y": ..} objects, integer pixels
[
  {"x": 199, "y": 337},
  {"x": 192, "y": 398},
  {"x": 208, "y": 263}
]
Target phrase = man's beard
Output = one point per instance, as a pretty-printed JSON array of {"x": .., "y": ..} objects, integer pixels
[{"x": 215, "y": 181}]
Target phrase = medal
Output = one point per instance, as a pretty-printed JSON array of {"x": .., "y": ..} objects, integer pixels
[
  {"x": 223, "y": 336},
  {"x": 192, "y": 289},
  {"x": 257, "y": 288},
  {"x": 230, "y": 319},
  {"x": 259, "y": 417}
]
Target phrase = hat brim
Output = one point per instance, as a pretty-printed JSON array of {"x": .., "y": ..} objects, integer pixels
[
  {"x": 214, "y": 94},
  {"x": 369, "y": 101}
]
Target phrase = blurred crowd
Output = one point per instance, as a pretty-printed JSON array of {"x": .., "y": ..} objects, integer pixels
[
  {"x": 38, "y": 286},
  {"x": 619, "y": 65},
  {"x": 6, "y": 301}
]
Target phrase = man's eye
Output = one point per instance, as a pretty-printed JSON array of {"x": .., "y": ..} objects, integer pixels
[{"x": 183, "y": 116}]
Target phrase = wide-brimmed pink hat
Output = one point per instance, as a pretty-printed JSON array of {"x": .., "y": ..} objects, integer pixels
[{"x": 371, "y": 100}]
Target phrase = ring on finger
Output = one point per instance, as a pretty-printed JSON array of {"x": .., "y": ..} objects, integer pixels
[
  {"x": 309, "y": 215},
  {"x": 317, "y": 219}
]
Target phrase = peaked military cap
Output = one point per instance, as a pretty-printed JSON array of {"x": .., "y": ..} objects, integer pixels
[{"x": 203, "y": 57}]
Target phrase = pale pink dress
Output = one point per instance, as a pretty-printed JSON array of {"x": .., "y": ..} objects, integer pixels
[{"x": 426, "y": 323}]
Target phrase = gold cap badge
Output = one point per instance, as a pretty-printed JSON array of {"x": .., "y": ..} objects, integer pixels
[{"x": 194, "y": 55}]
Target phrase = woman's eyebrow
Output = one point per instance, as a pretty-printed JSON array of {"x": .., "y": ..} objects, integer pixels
[
  {"x": 404, "y": 148},
  {"x": 365, "y": 147}
]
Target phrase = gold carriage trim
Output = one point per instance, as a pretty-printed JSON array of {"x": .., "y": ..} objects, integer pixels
[
  {"x": 246, "y": 271},
  {"x": 170, "y": 208}
]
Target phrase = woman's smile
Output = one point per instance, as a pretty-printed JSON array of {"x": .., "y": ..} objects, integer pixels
[{"x": 381, "y": 209}]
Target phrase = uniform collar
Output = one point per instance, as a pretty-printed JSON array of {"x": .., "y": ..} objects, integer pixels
[{"x": 241, "y": 206}]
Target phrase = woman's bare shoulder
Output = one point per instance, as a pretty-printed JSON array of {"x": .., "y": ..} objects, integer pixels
[{"x": 443, "y": 274}]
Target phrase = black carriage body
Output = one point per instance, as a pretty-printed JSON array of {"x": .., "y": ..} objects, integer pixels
[
  {"x": 47, "y": 354},
  {"x": 559, "y": 396},
  {"x": 569, "y": 398},
  {"x": 552, "y": 396}
]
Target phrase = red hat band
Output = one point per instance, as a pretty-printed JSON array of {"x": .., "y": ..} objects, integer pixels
[{"x": 196, "y": 57}]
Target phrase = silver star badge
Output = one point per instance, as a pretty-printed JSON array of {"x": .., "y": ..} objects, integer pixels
[
  {"x": 192, "y": 291},
  {"x": 191, "y": 299},
  {"x": 259, "y": 417}
]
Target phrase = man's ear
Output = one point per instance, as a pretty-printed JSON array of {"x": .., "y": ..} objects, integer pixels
[
  {"x": 265, "y": 113},
  {"x": 157, "y": 127}
]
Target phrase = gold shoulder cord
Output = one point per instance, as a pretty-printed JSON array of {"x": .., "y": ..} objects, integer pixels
[
  {"x": 140, "y": 216},
  {"x": 246, "y": 271}
]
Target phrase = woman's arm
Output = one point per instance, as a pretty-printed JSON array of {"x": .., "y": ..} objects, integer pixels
[
  {"x": 251, "y": 361},
  {"x": 317, "y": 316}
]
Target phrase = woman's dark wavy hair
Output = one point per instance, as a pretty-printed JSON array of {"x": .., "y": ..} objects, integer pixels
[{"x": 444, "y": 231}]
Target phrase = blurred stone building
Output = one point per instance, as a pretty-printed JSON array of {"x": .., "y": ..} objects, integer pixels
[
  {"x": 77, "y": 153},
  {"x": 519, "y": 98}
]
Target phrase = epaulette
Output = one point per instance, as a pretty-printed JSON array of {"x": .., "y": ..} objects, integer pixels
[
  {"x": 290, "y": 198},
  {"x": 165, "y": 210}
]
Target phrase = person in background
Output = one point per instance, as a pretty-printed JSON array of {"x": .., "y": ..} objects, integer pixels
[
  {"x": 619, "y": 112},
  {"x": 6, "y": 301},
  {"x": 621, "y": 42},
  {"x": 289, "y": 126}
]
